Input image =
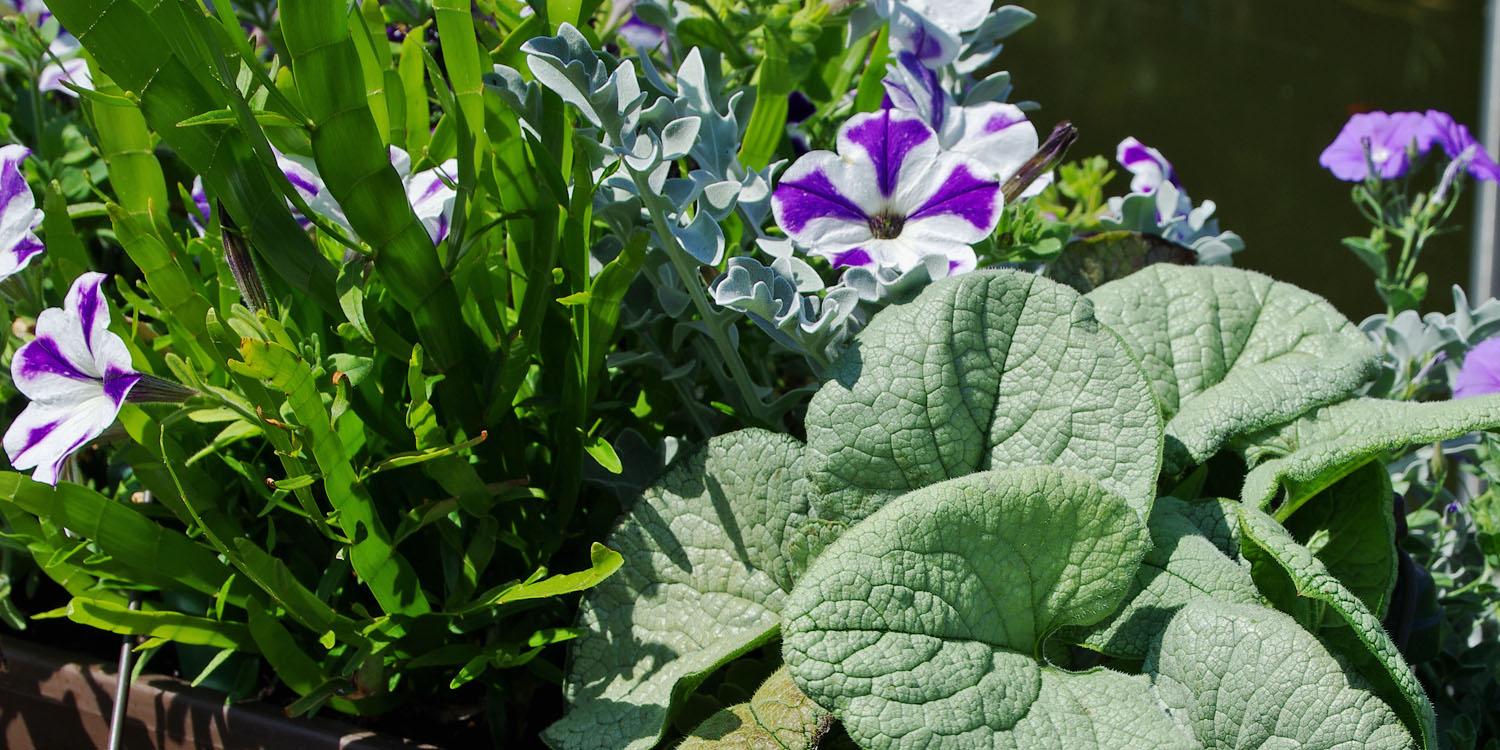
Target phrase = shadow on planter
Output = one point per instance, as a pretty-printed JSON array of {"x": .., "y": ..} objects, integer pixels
[{"x": 54, "y": 699}]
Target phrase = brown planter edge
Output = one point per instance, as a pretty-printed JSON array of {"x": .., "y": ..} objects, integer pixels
[{"x": 54, "y": 699}]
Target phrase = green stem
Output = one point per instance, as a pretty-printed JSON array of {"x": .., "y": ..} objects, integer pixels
[{"x": 716, "y": 324}]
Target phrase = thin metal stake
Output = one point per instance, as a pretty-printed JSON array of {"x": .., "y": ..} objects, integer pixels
[
  {"x": 122, "y": 683},
  {"x": 127, "y": 663},
  {"x": 1484, "y": 272}
]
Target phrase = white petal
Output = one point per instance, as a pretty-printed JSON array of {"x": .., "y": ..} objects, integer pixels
[
  {"x": 74, "y": 71},
  {"x": 997, "y": 135},
  {"x": 823, "y": 201},
  {"x": 432, "y": 199},
  {"x": 44, "y": 434},
  {"x": 401, "y": 161}
]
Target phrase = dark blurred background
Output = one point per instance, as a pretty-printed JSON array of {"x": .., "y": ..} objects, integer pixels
[{"x": 1242, "y": 96}]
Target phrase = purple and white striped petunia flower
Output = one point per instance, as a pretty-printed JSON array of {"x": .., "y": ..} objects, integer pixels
[
  {"x": 76, "y": 373},
  {"x": 930, "y": 29},
  {"x": 995, "y": 134},
  {"x": 430, "y": 197},
  {"x": 1149, "y": 169},
  {"x": 19, "y": 216},
  {"x": 890, "y": 197},
  {"x": 74, "y": 71},
  {"x": 1480, "y": 373}
]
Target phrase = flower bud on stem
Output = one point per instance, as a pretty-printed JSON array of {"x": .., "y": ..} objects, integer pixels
[
  {"x": 1046, "y": 157},
  {"x": 242, "y": 265}
]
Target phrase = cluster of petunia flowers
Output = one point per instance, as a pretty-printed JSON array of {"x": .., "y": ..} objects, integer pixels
[{"x": 1388, "y": 144}]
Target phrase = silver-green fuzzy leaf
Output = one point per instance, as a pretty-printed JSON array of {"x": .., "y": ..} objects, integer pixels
[
  {"x": 1313, "y": 581},
  {"x": 1193, "y": 555},
  {"x": 1242, "y": 676},
  {"x": 921, "y": 626},
  {"x": 777, "y": 717},
  {"x": 1231, "y": 352},
  {"x": 703, "y": 581},
  {"x": 983, "y": 371},
  {"x": 1322, "y": 447}
]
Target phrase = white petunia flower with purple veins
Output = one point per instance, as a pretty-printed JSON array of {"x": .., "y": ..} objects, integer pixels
[
  {"x": 930, "y": 29},
  {"x": 430, "y": 197},
  {"x": 77, "y": 374},
  {"x": 996, "y": 134},
  {"x": 74, "y": 71},
  {"x": 19, "y": 216},
  {"x": 1148, "y": 168},
  {"x": 889, "y": 198},
  {"x": 429, "y": 192},
  {"x": 1157, "y": 205}
]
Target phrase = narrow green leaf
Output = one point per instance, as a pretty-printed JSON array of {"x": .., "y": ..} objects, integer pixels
[
  {"x": 161, "y": 58},
  {"x": 413, "y": 71},
  {"x": 227, "y": 116},
  {"x": 871, "y": 90},
  {"x": 364, "y": 38},
  {"x": 171, "y": 626},
  {"x": 416, "y": 457},
  {"x": 126, "y": 144},
  {"x": 65, "y": 253},
  {"x": 169, "y": 284},
  {"x": 603, "y": 563},
  {"x": 767, "y": 124},
  {"x": 355, "y": 165},
  {"x": 157, "y": 555}
]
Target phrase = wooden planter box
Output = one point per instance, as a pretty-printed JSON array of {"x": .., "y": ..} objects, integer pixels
[{"x": 51, "y": 699}]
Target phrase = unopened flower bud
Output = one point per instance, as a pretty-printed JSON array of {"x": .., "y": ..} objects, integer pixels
[
  {"x": 242, "y": 264},
  {"x": 1046, "y": 157}
]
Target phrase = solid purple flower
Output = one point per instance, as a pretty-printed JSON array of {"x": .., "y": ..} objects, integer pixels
[
  {"x": 19, "y": 216},
  {"x": 1480, "y": 373},
  {"x": 888, "y": 198},
  {"x": 76, "y": 373},
  {"x": 1458, "y": 143},
  {"x": 1380, "y": 138}
]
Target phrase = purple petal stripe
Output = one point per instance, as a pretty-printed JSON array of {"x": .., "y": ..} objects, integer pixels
[
  {"x": 813, "y": 197},
  {"x": 963, "y": 195},
  {"x": 925, "y": 45},
  {"x": 26, "y": 248},
  {"x": 1001, "y": 121},
  {"x": 42, "y": 357},
  {"x": 11, "y": 180},
  {"x": 88, "y": 307},
  {"x": 853, "y": 257},
  {"x": 38, "y": 434},
  {"x": 888, "y": 140},
  {"x": 302, "y": 183},
  {"x": 117, "y": 384}
]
